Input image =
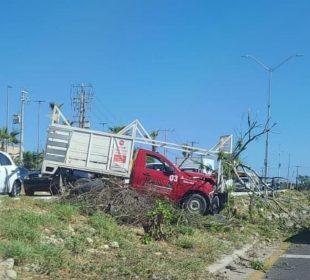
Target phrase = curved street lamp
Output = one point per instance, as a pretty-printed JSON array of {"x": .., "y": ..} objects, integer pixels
[{"x": 270, "y": 70}]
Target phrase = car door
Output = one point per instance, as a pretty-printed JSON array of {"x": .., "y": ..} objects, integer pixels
[
  {"x": 8, "y": 173},
  {"x": 158, "y": 175},
  {"x": 2, "y": 178}
]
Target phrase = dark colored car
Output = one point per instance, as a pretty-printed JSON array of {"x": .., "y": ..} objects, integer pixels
[
  {"x": 23, "y": 172},
  {"x": 37, "y": 182},
  {"x": 276, "y": 183}
]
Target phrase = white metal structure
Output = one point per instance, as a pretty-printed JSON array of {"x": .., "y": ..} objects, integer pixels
[
  {"x": 105, "y": 153},
  {"x": 10, "y": 182},
  {"x": 201, "y": 163}
]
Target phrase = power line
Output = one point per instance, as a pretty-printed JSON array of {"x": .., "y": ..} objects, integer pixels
[
  {"x": 108, "y": 111},
  {"x": 101, "y": 113}
]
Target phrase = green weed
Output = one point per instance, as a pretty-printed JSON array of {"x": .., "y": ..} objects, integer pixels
[
  {"x": 76, "y": 244},
  {"x": 185, "y": 230},
  {"x": 22, "y": 225},
  {"x": 185, "y": 243},
  {"x": 19, "y": 250},
  {"x": 50, "y": 257},
  {"x": 107, "y": 229},
  {"x": 105, "y": 226},
  {"x": 257, "y": 265},
  {"x": 64, "y": 211}
]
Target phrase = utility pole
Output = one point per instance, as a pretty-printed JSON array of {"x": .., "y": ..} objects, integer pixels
[
  {"x": 279, "y": 162},
  {"x": 7, "y": 115},
  {"x": 165, "y": 130},
  {"x": 192, "y": 143},
  {"x": 102, "y": 123},
  {"x": 82, "y": 104},
  {"x": 23, "y": 98},
  {"x": 297, "y": 174},
  {"x": 288, "y": 166},
  {"x": 38, "y": 124}
]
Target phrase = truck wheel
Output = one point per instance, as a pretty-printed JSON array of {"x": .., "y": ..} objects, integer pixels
[
  {"x": 215, "y": 205},
  {"x": 196, "y": 203},
  {"x": 80, "y": 182},
  {"x": 16, "y": 189}
]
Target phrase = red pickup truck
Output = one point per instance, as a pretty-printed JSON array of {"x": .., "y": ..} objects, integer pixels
[
  {"x": 195, "y": 191},
  {"x": 153, "y": 172}
]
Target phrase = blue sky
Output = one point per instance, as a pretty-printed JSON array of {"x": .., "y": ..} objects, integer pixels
[{"x": 171, "y": 64}]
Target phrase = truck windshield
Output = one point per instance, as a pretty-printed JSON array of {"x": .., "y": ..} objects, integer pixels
[{"x": 155, "y": 163}]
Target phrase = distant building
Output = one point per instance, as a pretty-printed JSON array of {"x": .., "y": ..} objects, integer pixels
[{"x": 13, "y": 151}]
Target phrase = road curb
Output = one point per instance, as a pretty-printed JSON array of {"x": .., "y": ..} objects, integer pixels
[
  {"x": 222, "y": 263},
  {"x": 270, "y": 261}
]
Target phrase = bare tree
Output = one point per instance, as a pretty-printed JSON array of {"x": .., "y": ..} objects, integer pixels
[{"x": 232, "y": 164}]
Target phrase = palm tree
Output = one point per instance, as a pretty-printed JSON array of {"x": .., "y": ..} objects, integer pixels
[
  {"x": 154, "y": 134},
  {"x": 116, "y": 129},
  {"x": 53, "y": 104},
  {"x": 7, "y": 137},
  {"x": 33, "y": 160}
]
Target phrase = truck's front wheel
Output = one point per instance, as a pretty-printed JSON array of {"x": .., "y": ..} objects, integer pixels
[
  {"x": 196, "y": 203},
  {"x": 215, "y": 205}
]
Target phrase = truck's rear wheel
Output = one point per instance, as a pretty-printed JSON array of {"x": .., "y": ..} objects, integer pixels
[
  {"x": 82, "y": 181},
  {"x": 196, "y": 203}
]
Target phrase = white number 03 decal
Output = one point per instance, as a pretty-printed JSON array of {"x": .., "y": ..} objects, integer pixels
[{"x": 173, "y": 178}]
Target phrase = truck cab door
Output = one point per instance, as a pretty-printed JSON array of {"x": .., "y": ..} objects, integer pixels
[{"x": 158, "y": 176}]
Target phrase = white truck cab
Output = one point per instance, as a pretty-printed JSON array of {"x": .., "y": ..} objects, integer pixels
[{"x": 10, "y": 182}]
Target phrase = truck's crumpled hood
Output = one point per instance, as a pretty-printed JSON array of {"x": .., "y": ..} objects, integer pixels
[{"x": 199, "y": 176}]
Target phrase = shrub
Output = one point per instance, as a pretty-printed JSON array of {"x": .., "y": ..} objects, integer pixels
[{"x": 158, "y": 225}]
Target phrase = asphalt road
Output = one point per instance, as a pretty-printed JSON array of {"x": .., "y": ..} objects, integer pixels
[{"x": 295, "y": 262}]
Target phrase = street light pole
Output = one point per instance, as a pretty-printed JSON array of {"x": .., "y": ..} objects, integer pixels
[
  {"x": 297, "y": 175},
  {"x": 23, "y": 98},
  {"x": 7, "y": 114},
  {"x": 270, "y": 70},
  {"x": 38, "y": 124}
]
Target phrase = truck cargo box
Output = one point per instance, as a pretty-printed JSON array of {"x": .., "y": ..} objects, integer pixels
[{"x": 88, "y": 150}]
